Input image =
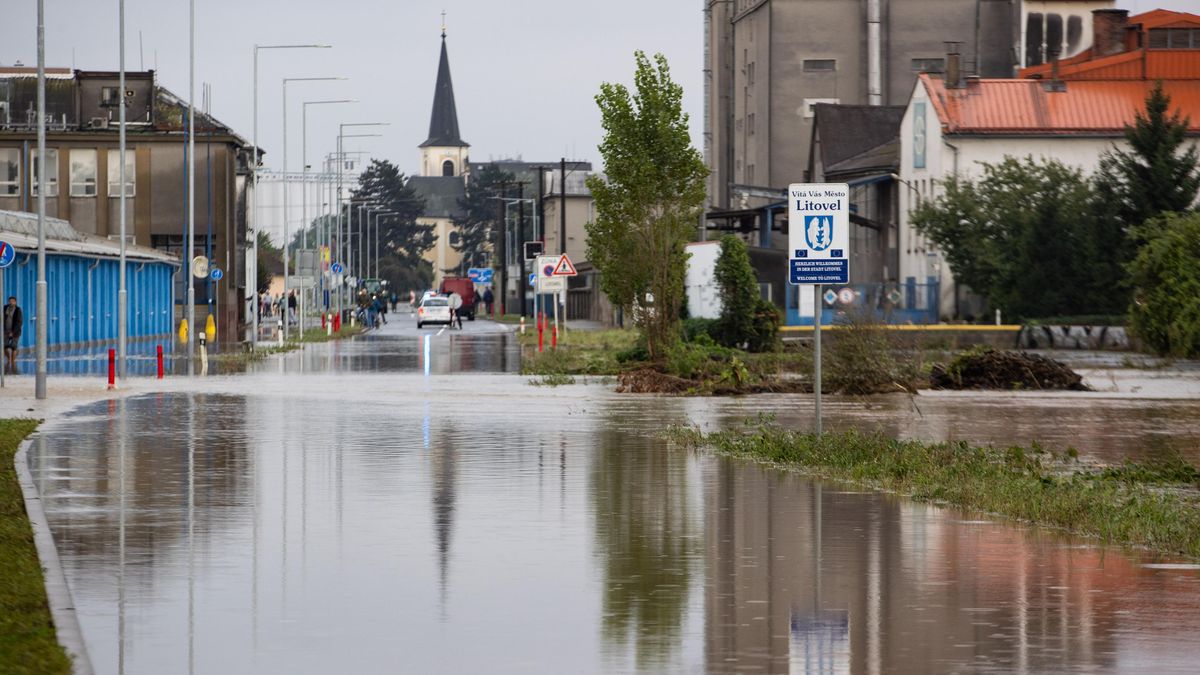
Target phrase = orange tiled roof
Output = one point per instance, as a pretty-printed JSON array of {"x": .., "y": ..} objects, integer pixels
[
  {"x": 1136, "y": 64},
  {"x": 1024, "y": 107}
]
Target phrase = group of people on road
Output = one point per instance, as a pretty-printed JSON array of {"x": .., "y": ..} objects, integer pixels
[
  {"x": 373, "y": 308},
  {"x": 269, "y": 306}
]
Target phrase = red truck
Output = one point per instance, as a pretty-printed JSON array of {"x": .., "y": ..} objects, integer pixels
[{"x": 466, "y": 289}]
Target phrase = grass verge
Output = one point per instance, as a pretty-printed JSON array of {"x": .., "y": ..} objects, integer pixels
[
  {"x": 1152, "y": 505},
  {"x": 27, "y": 639}
]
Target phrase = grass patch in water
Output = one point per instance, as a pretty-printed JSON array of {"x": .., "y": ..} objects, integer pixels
[
  {"x": 27, "y": 639},
  {"x": 1149, "y": 505}
]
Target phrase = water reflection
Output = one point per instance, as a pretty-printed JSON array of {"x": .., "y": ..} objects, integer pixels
[{"x": 375, "y": 529}]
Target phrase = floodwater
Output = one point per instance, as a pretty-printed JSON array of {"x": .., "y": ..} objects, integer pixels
[{"x": 399, "y": 504}]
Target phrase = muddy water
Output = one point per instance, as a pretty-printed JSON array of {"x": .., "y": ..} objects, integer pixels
[{"x": 331, "y": 519}]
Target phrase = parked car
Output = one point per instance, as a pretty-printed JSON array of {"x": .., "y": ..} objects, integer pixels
[
  {"x": 434, "y": 309},
  {"x": 466, "y": 290}
]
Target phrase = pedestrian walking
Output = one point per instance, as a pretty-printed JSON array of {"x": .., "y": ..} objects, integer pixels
[
  {"x": 456, "y": 302},
  {"x": 488, "y": 299},
  {"x": 13, "y": 320},
  {"x": 291, "y": 307}
]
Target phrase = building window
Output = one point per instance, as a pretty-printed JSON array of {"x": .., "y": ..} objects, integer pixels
[
  {"x": 750, "y": 72},
  {"x": 10, "y": 171},
  {"x": 1175, "y": 38},
  {"x": 83, "y": 173},
  {"x": 750, "y": 123},
  {"x": 51, "y": 172},
  {"x": 820, "y": 65},
  {"x": 750, "y": 173},
  {"x": 110, "y": 97},
  {"x": 937, "y": 65},
  {"x": 448, "y": 168},
  {"x": 114, "y": 174}
]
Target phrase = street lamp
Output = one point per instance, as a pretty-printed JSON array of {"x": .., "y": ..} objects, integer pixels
[
  {"x": 39, "y": 384},
  {"x": 342, "y": 135},
  {"x": 253, "y": 282},
  {"x": 287, "y": 241},
  {"x": 304, "y": 182}
]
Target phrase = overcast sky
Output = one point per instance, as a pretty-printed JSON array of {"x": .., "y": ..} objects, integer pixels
[{"x": 525, "y": 71}]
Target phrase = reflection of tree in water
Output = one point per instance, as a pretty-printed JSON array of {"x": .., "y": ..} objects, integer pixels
[
  {"x": 444, "y": 480},
  {"x": 648, "y": 542}
]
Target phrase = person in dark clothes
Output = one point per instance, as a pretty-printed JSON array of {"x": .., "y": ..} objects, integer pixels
[
  {"x": 488, "y": 298},
  {"x": 13, "y": 320}
]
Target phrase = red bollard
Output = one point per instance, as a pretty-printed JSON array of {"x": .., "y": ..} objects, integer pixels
[
  {"x": 337, "y": 322},
  {"x": 112, "y": 369},
  {"x": 323, "y": 320},
  {"x": 160, "y": 363},
  {"x": 539, "y": 337},
  {"x": 554, "y": 337}
]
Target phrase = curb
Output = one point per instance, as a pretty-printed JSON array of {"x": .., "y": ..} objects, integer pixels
[{"x": 58, "y": 593}]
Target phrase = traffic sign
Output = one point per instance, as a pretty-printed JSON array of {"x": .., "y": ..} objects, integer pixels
[
  {"x": 533, "y": 249},
  {"x": 532, "y": 278},
  {"x": 337, "y": 268},
  {"x": 480, "y": 275},
  {"x": 545, "y": 267},
  {"x": 846, "y": 296},
  {"x": 199, "y": 267},
  {"x": 564, "y": 268},
  {"x": 894, "y": 296},
  {"x": 7, "y": 254},
  {"x": 215, "y": 274},
  {"x": 819, "y": 233},
  {"x": 830, "y": 297}
]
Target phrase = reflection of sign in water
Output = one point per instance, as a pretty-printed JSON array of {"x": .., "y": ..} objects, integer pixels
[{"x": 820, "y": 644}]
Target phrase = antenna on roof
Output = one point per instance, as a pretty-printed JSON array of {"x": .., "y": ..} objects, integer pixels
[
  {"x": 443, "y": 24},
  {"x": 141, "y": 52}
]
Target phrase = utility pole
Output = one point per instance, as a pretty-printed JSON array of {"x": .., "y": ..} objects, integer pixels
[
  {"x": 191, "y": 188},
  {"x": 521, "y": 244},
  {"x": 502, "y": 245},
  {"x": 122, "y": 296},
  {"x": 39, "y": 386},
  {"x": 562, "y": 205}
]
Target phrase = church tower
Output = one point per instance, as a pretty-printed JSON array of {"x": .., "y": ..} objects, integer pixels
[{"x": 444, "y": 153}]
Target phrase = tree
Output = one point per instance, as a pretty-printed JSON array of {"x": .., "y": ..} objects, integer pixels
[
  {"x": 648, "y": 201},
  {"x": 1165, "y": 312},
  {"x": 270, "y": 260},
  {"x": 739, "y": 292},
  {"x": 1153, "y": 176},
  {"x": 401, "y": 237},
  {"x": 1030, "y": 236},
  {"x": 480, "y": 222}
]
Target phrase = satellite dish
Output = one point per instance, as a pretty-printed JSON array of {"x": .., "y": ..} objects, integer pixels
[{"x": 200, "y": 267}]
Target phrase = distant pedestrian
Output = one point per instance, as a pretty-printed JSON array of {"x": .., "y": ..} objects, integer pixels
[
  {"x": 456, "y": 303},
  {"x": 13, "y": 320},
  {"x": 488, "y": 299},
  {"x": 292, "y": 304}
]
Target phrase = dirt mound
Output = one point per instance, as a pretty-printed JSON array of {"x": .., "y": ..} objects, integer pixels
[
  {"x": 987, "y": 368},
  {"x": 651, "y": 381}
]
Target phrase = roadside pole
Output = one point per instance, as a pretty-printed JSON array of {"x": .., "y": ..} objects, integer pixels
[{"x": 819, "y": 253}]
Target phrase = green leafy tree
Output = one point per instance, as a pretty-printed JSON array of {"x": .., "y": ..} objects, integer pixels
[
  {"x": 480, "y": 223},
  {"x": 270, "y": 261},
  {"x": 1157, "y": 174},
  {"x": 647, "y": 202},
  {"x": 739, "y": 292},
  {"x": 1165, "y": 312},
  {"x": 1031, "y": 237},
  {"x": 401, "y": 237}
]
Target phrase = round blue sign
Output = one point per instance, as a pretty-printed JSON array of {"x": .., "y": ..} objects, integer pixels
[
  {"x": 337, "y": 268},
  {"x": 216, "y": 274},
  {"x": 7, "y": 254}
]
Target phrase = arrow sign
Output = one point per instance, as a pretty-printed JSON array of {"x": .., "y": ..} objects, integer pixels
[
  {"x": 216, "y": 274},
  {"x": 7, "y": 254},
  {"x": 337, "y": 268},
  {"x": 564, "y": 268}
]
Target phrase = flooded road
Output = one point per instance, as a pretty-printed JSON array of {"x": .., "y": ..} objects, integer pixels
[{"x": 426, "y": 512}]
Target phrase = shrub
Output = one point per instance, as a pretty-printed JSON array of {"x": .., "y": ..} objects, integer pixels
[
  {"x": 765, "y": 333},
  {"x": 694, "y": 328},
  {"x": 739, "y": 293},
  {"x": 867, "y": 358},
  {"x": 1165, "y": 312}
]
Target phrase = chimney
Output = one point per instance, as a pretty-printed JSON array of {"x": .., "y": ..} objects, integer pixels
[
  {"x": 953, "y": 66},
  {"x": 1055, "y": 83},
  {"x": 1108, "y": 31}
]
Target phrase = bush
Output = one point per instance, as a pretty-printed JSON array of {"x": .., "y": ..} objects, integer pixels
[
  {"x": 739, "y": 293},
  {"x": 1165, "y": 312},
  {"x": 765, "y": 334},
  {"x": 694, "y": 328},
  {"x": 865, "y": 357}
]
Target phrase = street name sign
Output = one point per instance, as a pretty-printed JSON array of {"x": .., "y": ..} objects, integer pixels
[{"x": 819, "y": 233}]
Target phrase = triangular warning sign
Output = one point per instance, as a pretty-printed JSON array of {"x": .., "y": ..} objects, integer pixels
[{"x": 564, "y": 268}]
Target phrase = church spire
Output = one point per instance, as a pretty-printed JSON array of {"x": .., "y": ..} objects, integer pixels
[{"x": 443, "y": 122}]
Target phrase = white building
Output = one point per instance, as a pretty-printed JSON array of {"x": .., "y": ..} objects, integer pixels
[{"x": 1074, "y": 111}]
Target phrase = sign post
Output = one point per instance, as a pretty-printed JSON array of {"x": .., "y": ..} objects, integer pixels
[
  {"x": 819, "y": 243},
  {"x": 562, "y": 269},
  {"x": 7, "y": 255}
]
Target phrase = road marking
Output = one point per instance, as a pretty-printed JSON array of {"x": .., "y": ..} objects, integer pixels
[{"x": 443, "y": 330}]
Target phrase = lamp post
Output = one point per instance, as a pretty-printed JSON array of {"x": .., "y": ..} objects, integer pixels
[
  {"x": 342, "y": 135},
  {"x": 375, "y": 248},
  {"x": 252, "y": 283},
  {"x": 191, "y": 187},
  {"x": 122, "y": 296},
  {"x": 39, "y": 386},
  {"x": 304, "y": 182},
  {"x": 287, "y": 240}
]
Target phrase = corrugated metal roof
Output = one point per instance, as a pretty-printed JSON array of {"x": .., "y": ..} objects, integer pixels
[
  {"x": 19, "y": 229},
  {"x": 1024, "y": 107}
]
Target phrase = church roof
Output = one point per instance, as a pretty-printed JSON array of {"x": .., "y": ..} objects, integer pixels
[{"x": 443, "y": 122}]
